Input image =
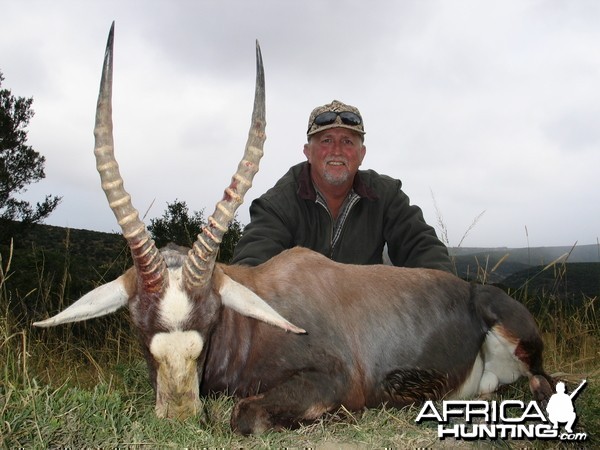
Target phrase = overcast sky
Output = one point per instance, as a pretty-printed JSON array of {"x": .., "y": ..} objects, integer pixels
[{"x": 475, "y": 105}]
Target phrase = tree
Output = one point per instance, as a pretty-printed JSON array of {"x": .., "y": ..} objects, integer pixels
[
  {"x": 178, "y": 226},
  {"x": 20, "y": 164},
  {"x": 230, "y": 240}
]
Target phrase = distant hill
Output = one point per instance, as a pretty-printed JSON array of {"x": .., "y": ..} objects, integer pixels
[
  {"x": 51, "y": 265},
  {"x": 507, "y": 261},
  {"x": 534, "y": 256},
  {"x": 572, "y": 280}
]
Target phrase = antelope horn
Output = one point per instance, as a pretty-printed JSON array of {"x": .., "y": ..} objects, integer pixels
[
  {"x": 147, "y": 259},
  {"x": 201, "y": 259}
]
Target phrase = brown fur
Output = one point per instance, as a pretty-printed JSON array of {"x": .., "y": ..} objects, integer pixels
[{"x": 375, "y": 335}]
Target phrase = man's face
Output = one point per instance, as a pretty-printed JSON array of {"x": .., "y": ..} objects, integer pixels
[{"x": 335, "y": 156}]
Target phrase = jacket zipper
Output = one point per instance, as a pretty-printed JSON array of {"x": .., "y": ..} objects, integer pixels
[{"x": 346, "y": 212}]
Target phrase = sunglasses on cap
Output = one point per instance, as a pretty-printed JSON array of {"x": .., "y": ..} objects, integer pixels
[{"x": 329, "y": 117}]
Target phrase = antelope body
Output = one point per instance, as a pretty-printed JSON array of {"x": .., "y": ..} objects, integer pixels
[{"x": 370, "y": 335}]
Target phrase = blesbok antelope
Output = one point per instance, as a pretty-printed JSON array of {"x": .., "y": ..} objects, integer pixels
[{"x": 370, "y": 335}]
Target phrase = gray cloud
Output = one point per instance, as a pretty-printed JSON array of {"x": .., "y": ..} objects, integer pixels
[{"x": 490, "y": 106}]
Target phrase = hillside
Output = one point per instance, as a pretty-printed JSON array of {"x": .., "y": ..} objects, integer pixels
[
  {"x": 571, "y": 280},
  {"x": 53, "y": 265},
  {"x": 535, "y": 255},
  {"x": 470, "y": 261}
]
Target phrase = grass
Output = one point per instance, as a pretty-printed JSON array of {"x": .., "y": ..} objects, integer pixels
[{"x": 85, "y": 385}]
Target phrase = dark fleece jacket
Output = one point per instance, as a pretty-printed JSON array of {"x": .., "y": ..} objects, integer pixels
[{"x": 287, "y": 215}]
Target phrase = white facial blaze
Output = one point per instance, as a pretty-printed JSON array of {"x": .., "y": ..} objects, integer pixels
[
  {"x": 176, "y": 352},
  {"x": 175, "y": 307},
  {"x": 177, "y": 383}
]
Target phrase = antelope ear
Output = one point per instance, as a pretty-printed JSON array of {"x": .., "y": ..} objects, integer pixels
[
  {"x": 241, "y": 299},
  {"x": 101, "y": 301}
]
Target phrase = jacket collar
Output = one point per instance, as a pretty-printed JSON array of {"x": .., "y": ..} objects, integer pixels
[{"x": 307, "y": 191}]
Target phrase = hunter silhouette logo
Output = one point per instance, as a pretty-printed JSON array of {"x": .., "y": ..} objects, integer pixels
[
  {"x": 507, "y": 419},
  {"x": 560, "y": 407}
]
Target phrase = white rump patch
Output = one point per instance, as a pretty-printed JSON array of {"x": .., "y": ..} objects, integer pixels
[
  {"x": 470, "y": 388},
  {"x": 501, "y": 365},
  {"x": 495, "y": 365}
]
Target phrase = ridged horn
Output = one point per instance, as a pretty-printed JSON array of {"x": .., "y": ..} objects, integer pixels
[
  {"x": 148, "y": 261},
  {"x": 200, "y": 263}
]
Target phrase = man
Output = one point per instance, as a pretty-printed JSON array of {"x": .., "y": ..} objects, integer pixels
[{"x": 328, "y": 205}]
